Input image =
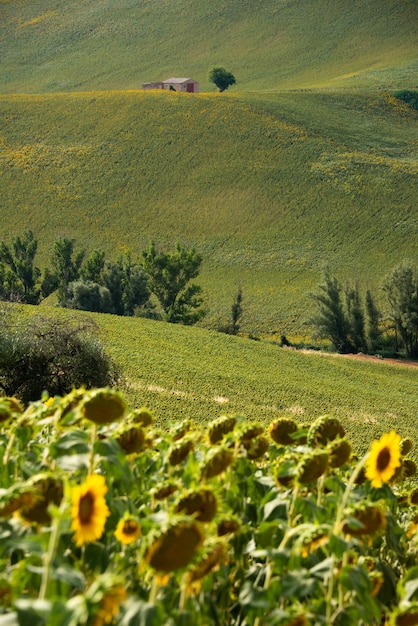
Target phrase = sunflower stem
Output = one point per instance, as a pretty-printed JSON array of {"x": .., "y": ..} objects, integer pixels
[
  {"x": 49, "y": 555},
  {"x": 336, "y": 531},
  {"x": 92, "y": 442}
]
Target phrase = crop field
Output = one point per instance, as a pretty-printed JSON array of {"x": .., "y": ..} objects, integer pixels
[{"x": 182, "y": 372}]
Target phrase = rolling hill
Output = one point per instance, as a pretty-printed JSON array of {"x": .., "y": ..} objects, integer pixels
[
  {"x": 73, "y": 45},
  {"x": 308, "y": 160}
]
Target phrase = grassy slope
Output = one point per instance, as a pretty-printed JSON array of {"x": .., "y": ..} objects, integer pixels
[
  {"x": 267, "y": 187},
  {"x": 73, "y": 45},
  {"x": 181, "y": 372}
]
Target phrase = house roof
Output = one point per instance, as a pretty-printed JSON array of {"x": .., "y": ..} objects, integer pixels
[{"x": 179, "y": 80}]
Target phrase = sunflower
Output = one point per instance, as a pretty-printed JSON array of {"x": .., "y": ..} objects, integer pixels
[
  {"x": 127, "y": 530},
  {"x": 89, "y": 510},
  {"x": 384, "y": 458}
]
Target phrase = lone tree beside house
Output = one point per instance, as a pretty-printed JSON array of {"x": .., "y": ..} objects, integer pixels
[{"x": 221, "y": 78}]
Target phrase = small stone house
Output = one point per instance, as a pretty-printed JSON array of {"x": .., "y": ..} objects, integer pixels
[{"x": 187, "y": 85}]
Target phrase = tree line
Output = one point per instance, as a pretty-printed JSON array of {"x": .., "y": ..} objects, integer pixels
[
  {"x": 356, "y": 323},
  {"x": 93, "y": 283}
]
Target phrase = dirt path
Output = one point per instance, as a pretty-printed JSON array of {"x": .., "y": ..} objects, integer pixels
[{"x": 365, "y": 357}]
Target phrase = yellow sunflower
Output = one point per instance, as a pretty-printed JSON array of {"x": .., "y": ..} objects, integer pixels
[
  {"x": 384, "y": 458},
  {"x": 89, "y": 510},
  {"x": 127, "y": 530}
]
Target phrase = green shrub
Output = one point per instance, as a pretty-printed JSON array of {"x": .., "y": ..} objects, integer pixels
[
  {"x": 50, "y": 355},
  {"x": 408, "y": 96}
]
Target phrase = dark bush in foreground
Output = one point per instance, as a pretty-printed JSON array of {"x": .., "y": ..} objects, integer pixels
[{"x": 50, "y": 355}]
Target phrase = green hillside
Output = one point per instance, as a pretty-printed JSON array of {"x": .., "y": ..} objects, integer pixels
[
  {"x": 268, "y": 188},
  {"x": 183, "y": 372},
  {"x": 73, "y": 45},
  {"x": 307, "y": 160}
]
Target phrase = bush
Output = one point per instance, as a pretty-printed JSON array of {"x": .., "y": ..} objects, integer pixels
[
  {"x": 50, "y": 355},
  {"x": 408, "y": 96}
]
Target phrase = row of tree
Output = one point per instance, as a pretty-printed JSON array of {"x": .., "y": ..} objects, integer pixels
[
  {"x": 122, "y": 287},
  {"x": 355, "y": 324}
]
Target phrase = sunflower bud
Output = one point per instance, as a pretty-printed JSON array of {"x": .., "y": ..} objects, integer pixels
[
  {"x": 221, "y": 427},
  {"x": 176, "y": 547},
  {"x": 202, "y": 504},
  {"x": 103, "y": 406},
  {"x": 311, "y": 467},
  {"x": 281, "y": 430}
]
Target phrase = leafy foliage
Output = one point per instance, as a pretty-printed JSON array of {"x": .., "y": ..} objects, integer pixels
[
  {"x": 409, "y": 96},
  {"x": 50, "y": 355},
  {"x": 401, "y": 289},
  {"x": 170, "y": 274},
  {"x": 221, "y": 78},
  {"x": 114, "y": 519},
  {"x": 19, "y": 281}
]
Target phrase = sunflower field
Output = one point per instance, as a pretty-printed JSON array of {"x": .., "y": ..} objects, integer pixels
[{"x": 106, "y": 519}]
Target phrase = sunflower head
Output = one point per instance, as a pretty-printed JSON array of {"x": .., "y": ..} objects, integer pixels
[
  {"x": 413, "y": 496},
  {"x": 174, "y": 548},
  {"x": 312, "y": 466},
  {"x": 9, "y": 407},
  {"x": 16, "y": 498},
  {"x": 409, "y": 468},
  {"x": 281, "y": 430},
  {"x": 220, "y": 427},
  {"x": 339, "y": 452},
  {"x": 202, "y": 504},
  {"x": 256, "y": 448},
  {"x": 285, "y": 471},
  {"x": 180, "y": 451},
  {"x": 228, "y": 526},
  {"x": 384, "y": 458},
  {"x": 48, "y": 490},
  {"x": 131, "y": 439},
  {"x": 367, "y": 520},
  {"x": 406, "y": 446},
  {"x": 128, "y": 530},
  {"x": 217, "y": 461},
  {"x": 103, "y": 406},
  {"x": 323, "y": 430},
  {"x": 182, "y": 429},
  {"x": 165, "y": 490},
  {"x": 406, "y": 617},
  {"x": 249, "y": 432},
  {"x": 141, "y": 416},
  {"x": 208, "y": 564},
  {"x": 89, "y": 510}
]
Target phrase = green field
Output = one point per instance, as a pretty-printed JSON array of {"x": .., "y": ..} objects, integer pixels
[
  {"x": 183, "y": 372},
  {"x": 267, "y": 187}
]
